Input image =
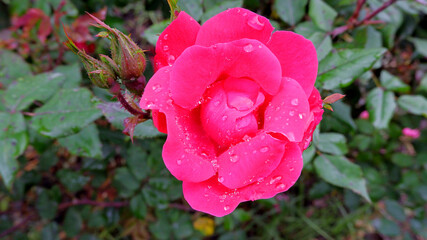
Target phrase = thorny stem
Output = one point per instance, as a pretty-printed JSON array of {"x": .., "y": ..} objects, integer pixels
[
  {"x": 63, "y": 206},
  {"x": 352, "y": 23},
  {"x": 129, "y": 108}
]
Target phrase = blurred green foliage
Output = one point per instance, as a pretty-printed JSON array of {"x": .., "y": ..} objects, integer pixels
[{"x": 69, "y": 173}]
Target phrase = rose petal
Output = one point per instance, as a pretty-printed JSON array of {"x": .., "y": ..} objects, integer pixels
[
  {"x": 249, "y": 161},
  {"x": 159, "y": 121},
  {"x": 211, "y": 197},
  {"x": 188, "y": 153},
  {"x": 281, "y": 179},
  {"x": 198, "y": 67},
  {"x": 178, "y": 36},
  {"x": 297, "y": 57},
  {"x": 316, "y": 112},
  {"x": 234, "y": 24},
  {"x": 156, "y": 93},
  {"x": 288, "y": 111}
]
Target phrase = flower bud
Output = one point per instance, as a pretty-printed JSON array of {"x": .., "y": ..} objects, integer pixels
[
  {"x": 128, "y": 57},
  {"x": 100, "y": 73}
]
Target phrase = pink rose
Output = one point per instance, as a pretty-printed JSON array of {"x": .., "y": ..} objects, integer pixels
[
  {"x": 238, "y": 104},
  {"x": 412, "y": 133}
]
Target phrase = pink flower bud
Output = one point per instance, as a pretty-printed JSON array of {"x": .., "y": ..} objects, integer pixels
[
  {"x": 412, "y": 133},
  {"x": 364, "y": 115}
]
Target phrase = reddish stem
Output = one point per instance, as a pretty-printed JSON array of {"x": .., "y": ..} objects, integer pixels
[{"x": 129, "y": 108}]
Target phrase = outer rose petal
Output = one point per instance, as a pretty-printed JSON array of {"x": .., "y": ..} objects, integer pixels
[
  {"x": 281, "y": 179},
  {"x": 188, "y": 153},
  {"x": 211, "y": 197},
  {"x": 234, "y": 24},
  {"x": 198, "y": 67},
  {"x": 178, "y": 36},
  {"x": 316, "y": 112},
  {"x": 159, "y": 121},
  {"x": 156, "y": 93},
  {"x": 297, "y": 56},
  {"x": 249, "y": 161},
  {"x": 288, "y": 111}
]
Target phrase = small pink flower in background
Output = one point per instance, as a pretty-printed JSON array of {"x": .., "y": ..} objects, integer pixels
[
  {"x": 238, "y": 104},
  {"x": 413, "y": 133},
  {"x": 364, "y": 115}
]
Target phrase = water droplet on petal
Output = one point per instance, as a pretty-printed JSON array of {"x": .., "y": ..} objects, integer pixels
[
  {"x": 254, "y": 23},
  {"x": 216, "y": 103},
  {"x": 226, "y": 208},
  {"x": 171, "y": 60},
  {"x": 179, "y": 161},
  {"x": 150, "y": 104},
  {"x": 165, "y": 48},
  {"x": 280, "y": 186},
  {"x": 224, "y": 118},
  {"x": 165, "y": 37},
  {"x": 157, "y": 88},
  {"x": 291, "y": 169},
  {"x": 264, "y": 149},
  {"x": 275, "y": 179},
  {"x": 248, "y": 48},
  {"x": 169, "y": 101},
  {"x": 294, "y": 101},
  {"x": 277, "y": 108},
  {"x": 300, "y": 116},
  {"x": 234, "y": 158},
  {"x": 220, "y": 179},
  {"x": 291, "y": 113}
]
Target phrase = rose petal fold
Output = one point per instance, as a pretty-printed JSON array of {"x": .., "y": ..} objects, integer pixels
[
  {"x": 211, "y": 197},
  {"x": 316, "y": 112},
  {"x": 234, "y": 24},
  {"x": 297, "y": 57},
  {"x": 178, "y": 36},
  {"x": 156, "y": 93},
  {"x": 288, "y": 111},
  {"x": 198, "y": 67},
  {"x": 250, "y": 160}
]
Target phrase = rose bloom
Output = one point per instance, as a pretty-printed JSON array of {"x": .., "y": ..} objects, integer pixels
[
  {"x": 238, "y": 104},
  {"x": 412, "y": 133}
]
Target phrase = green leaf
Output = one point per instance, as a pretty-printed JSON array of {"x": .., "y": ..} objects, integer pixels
[
  {"x": 9, "y": 164},
  {"x": 50, "y": 231},
  {"x": 386, "y": 227},
  {"x": 402, "y": 160},
  {"x": 193, "y": 7},
  {"x": 415, "y": 104},
  {"x": 66, "y": 113},
  {"x": 152, "y": 33},
  {"x": 323, "y": 44},
  {"x": 85, "y": 143},
  {"x": 12, "y": 67},
  {"x": 393, "y": 17},
  {"x": 13, "y": 128},
  {"x": 307, "y": 29},
  {"x": 220, "y": 7},
  {"x": 342, "y": 112},
  {"x": 395, "y": 210},
  {"x": 72, "y": 180},
  {"x": 339, "y": 171},
  {"x": 72, "y": 74},
  {"x": 308, "y": 155},
  {"x": 73, "y": 222},
  {"x": 290, "y": 11},
  {"x": 333, "y": 143},
  {"x": 340, "y": 68},
  {"x": 26, "y": 90},
  {"x": 138, "y": 206},
  {"x": 322, "y": 14},
  {"x": 116, "y": 115},
  {"x": 137, "y": 162},
  {"x": 381, "y": 105},
  {"x": 125, "y": 182},
  {"x": 46, "y": 205},
  {"x": 423, "y": 85},
  {"x": 393, "y": 83}
]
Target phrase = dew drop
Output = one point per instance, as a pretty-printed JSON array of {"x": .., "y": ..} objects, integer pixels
[
  {"x": 224, "y": 118},
  {"x": 150, "y": 104},
  {"x": 291, "y": 113},
  {"x": 171, "y": 60},
  {"x": 300, "y": 116},
  {"x": 220, "y": 179},
  {"x": 248, "y": 48},
  {"x": 179, "y": 161},
  {"x": 157, "y": 88},
  {"x": 260, "y": 46},
  {"x": 169, "y": 101},
  {"x": 294, "y": 101},
  {"x": 280, "y": 186},
  {"x": 165, "y": 48},
  {"x": 226, "y": 208},
  {"x": 275, "y": 179},
  {"x": 165, "y": 37},
  {"x": 264, "y": 149},
  {"x": 291, "y": 169},
  {"x": 234, "y": 158},
  {"x": 277, "y": 108},
  {"x": 216, "y": 103},
  {"x": 254, "y": 23}
]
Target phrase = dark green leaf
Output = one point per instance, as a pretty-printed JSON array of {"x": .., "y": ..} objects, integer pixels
[
  {"x": 220, "y": 7},
  {"x": 381, "y": 105},
  {"x": 393, "y": 83},
  {"x": 66, "y": 113},
  {"x": 420, "y": 45},
  {"x": 342, "y": 112},
  {"x": 193, "y": 7},
  {"x": 85, "y": 143},
  {"x": 402, "y": 160},
  {"x": 307, "y": 29},
  {"x": 73, "y": 181},
  {"x": 395, "y": 210},
  {"x": 323, "y": 43},
  {"x": 50, "y": 231},
  {"x": 339, "y": 69},
  {"x": 73, "y": 222},
  {"x": 8, "y": 163},
  {"x": 138, "y": 206},
  {"x": 308, "y": 155},
  {"x": 125, "y": 182},
  {"x": 290, "y": 11},
  {"x": 322, "y": 14},
  {"x": 46, "y": 205},
  {"x": 333, "y": 143},
  {"x": 152, "y": 33},
  {"x": 386, "y": 227},
  {"x": 339, "y": 171},
  {"x": 415, "y": 104},
  {"x": 28, "y": 89},
  {"x": 116, "y": 115},
  {"x": 137, "y": 162},
  {"x": 12, "y": 127},
  {"x": 12, "y": 67}
]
